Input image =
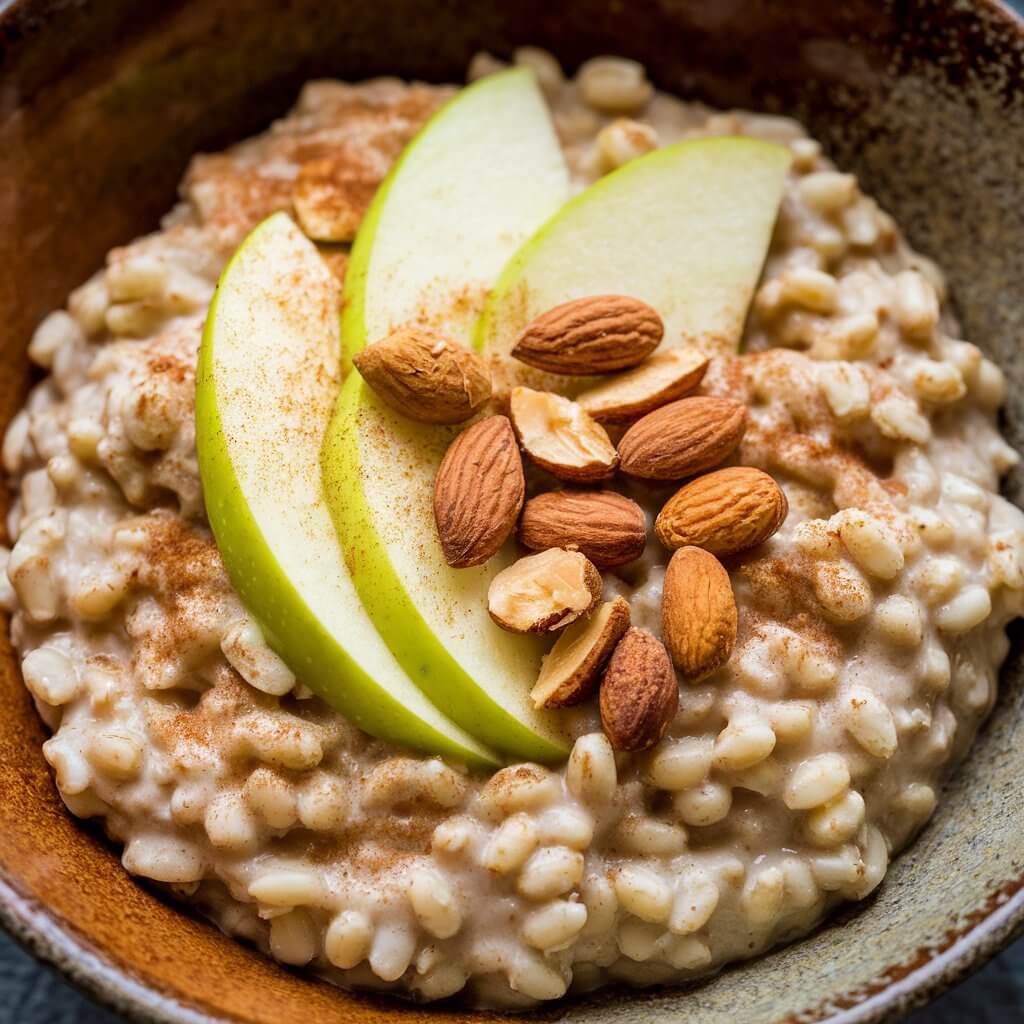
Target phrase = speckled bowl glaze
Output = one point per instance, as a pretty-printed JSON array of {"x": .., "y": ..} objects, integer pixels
[{"x": 101, "y": 104}]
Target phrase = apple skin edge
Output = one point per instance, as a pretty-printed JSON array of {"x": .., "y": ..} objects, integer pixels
[
  {"x": 417, "y": 648},
  {"x": 291, "y": 626},
  {"x": 353, "y": 323},
  {"x": 353, "y": 326},
  {"x": 348, "y": 465}
]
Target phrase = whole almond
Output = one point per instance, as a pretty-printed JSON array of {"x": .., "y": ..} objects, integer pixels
[
  {"x": 543, "y": 592},
  {"x": 478, "y": 492},
  {"x": 597, "y": 334},
  {"x": 683, "y": 438},
  {"x": 571, "y": 668},
  {"x": 698, "y": 612},
  {"x": 425, "y": 376},
  {"x": 605, "y": 526},
  {"x": 639, "y": 692},
  {"x": 657, "y": 381},
  {"x": 723, "y": 512},
  {"x": 560, "y": 437}
]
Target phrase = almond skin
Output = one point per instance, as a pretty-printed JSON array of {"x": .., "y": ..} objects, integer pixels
[
  {"x": 684, "y": 438},
  {"x": 605, "y": 526},
  {"x": 543, "y": 592},
  {"x": 724, "y": 512},
  {"x": 478, "y": 492},
  {"x": 698, "y": 613},
  {"x": 657, "y": 381},
  {"x": 639, "y": 692},
  {"x": 597, "y": 334},
  {"x": 425, "y": 376},
  {"x": 571, "y": 668},
  {"x": 560, "y": 437}
]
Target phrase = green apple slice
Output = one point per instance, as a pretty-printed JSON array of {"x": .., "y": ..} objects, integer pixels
[
  {"x": 268, "y": 375},
  {"x": 478, "y": 179},
  {"x": 685, "y": 229},
  {"x": 482, "y": 176}
]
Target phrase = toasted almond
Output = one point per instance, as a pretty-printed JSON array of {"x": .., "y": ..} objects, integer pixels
[
  {"x": 596, "y": 334},
  {"x": 605, "y": 526},
  {"x": 570, "y": 671},
  {"x": 723, "y": 512},
  {"x": 663, "y": 378},
  {"x": 478, "y": 492},
  {"x": 543, "y": 592},
  {"x": 560, "y": 437},
  {"x": 698, "y": 612},
  {"x": 426, "y": 376},
  {"x": 330, "y": 199},
  {"x": 639, "y": 692},
  {"x": 683, "y": 438}
]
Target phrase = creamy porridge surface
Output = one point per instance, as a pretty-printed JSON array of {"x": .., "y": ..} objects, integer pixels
[{"x": 871, "y": 625}]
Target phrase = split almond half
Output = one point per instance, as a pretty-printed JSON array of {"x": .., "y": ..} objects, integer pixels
[
  {"x": 605, "y": 526},
  {"x": 597, "y": 334},
  {"x": 543, "y": 592},
  {"x": 655, "y": 382},
  {"x": 570, "y": 671},
  {"x": 330, "y": 201},
  {"x": 684, "y": 438},
  {"x": 724, "y": 512},
  {"x": 560, "y": 437},
  {"x": 698, "y": 613},
  {"x": 639, "y": 692},
  {"x": 478, "y": 492},
  {"x": 425, "y": 376}
]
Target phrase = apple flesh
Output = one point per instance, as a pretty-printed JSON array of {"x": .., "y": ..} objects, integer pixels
[
  {"x": 479, "y": 178},
  {"x": 268, "y": 376},
  {"x": 484, "y": 174},
  {"x": 685, "y": 229}
]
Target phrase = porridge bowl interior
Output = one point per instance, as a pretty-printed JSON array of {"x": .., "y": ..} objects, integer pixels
[{"x": 777, "y": 793}]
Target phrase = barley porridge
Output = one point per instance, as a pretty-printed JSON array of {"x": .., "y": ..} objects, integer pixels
[{"x": 870, "y": 626}]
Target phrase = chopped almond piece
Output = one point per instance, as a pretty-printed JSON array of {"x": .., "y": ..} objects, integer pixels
[
  {"x": 655, "y": 382},
  {"x": 560, "y": 437},
  {"x": 543, "y": 592},
  {"x": 330, "y": 200},
  {"x": 571, "y": 669}
]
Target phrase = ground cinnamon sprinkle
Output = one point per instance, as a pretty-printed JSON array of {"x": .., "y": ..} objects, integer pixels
[
  {"x": 179, "y": 557},
  {"x": 166, "y": 364},
  {"x": 234, "y": 783}
]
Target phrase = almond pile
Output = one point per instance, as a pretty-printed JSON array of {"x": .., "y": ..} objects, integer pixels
[{"x": 667, "y": 434}]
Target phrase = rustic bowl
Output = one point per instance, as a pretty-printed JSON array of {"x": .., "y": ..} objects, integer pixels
[{"x": 101, "y": 106}]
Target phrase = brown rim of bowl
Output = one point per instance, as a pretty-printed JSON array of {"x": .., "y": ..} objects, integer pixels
[
  {"x": 889, "y": 998},
  {"x": 36, "y": 931},
  {"x": 902, "y": 988}
]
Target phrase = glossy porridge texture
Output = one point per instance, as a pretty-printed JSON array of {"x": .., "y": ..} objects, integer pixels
[{"x": 871, "y": 626}]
